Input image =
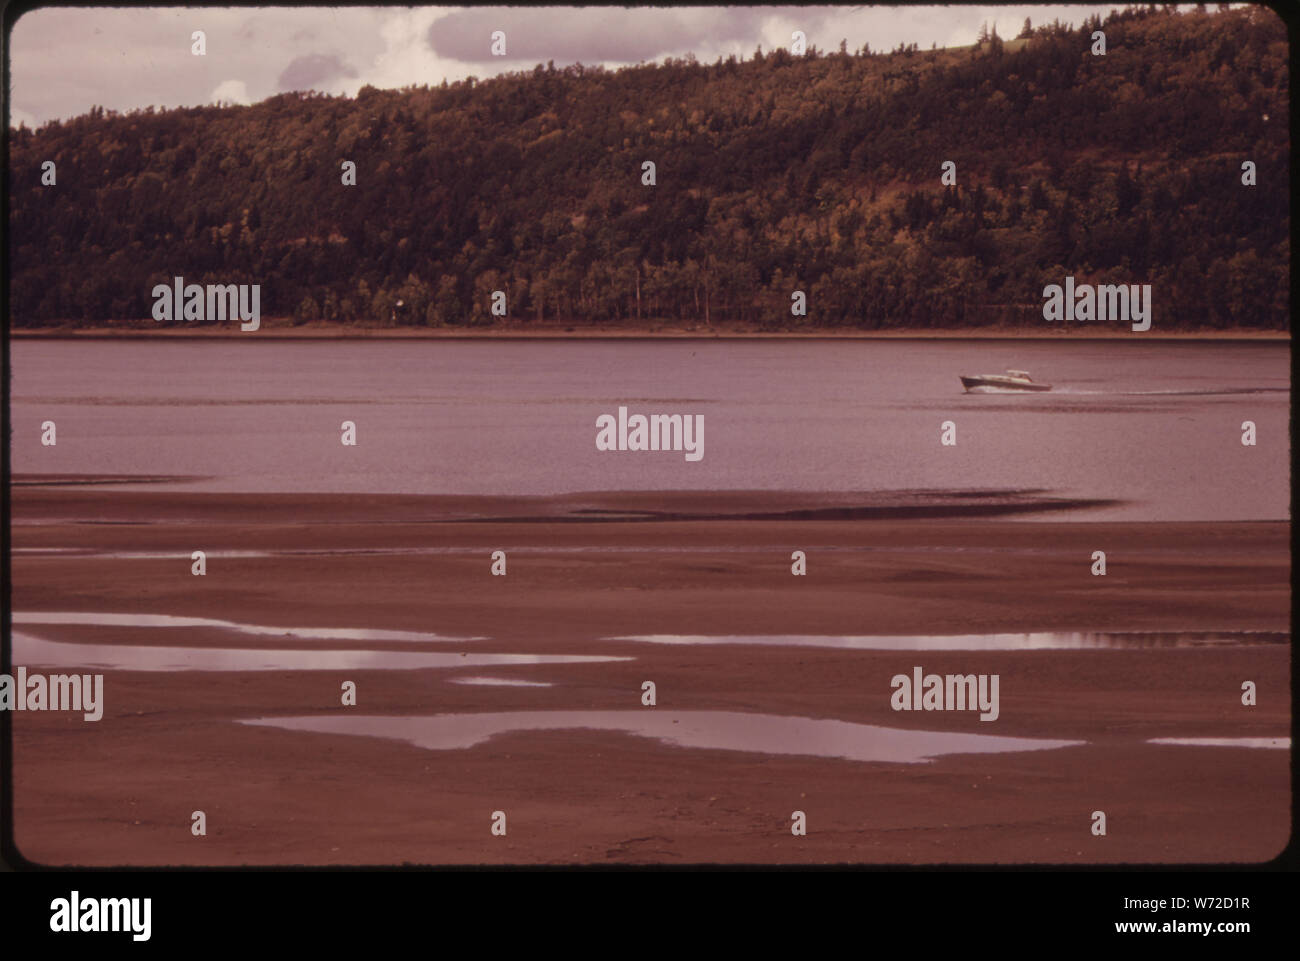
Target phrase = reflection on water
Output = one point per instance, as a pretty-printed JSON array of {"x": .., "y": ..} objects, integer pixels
[
  {"x": 1042, "y": 640},
  {"x": 28, "y": 649},
  {"x": 716, "y": 730},
  {"x": 1283, "y": 743},
  {"x": 168, "y": 620}
]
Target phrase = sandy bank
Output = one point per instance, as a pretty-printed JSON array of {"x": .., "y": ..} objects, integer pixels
[{"x": 121, "y": 790}]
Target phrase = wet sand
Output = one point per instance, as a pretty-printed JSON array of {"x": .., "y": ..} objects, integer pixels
[
  {"x": 584, "y": 569},
  {"x": 282, "y": 328}
]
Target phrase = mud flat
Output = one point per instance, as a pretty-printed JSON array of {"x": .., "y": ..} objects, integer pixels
[
  {"x": 1153, "y": 734},
  {"x": 280, "y": 329}
]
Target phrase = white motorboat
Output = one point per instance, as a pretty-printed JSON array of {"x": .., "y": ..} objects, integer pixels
[{"x": 1012, "y": 380}]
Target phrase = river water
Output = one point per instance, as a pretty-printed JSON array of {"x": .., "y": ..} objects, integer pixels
[{"x": 1157, "y": 426}]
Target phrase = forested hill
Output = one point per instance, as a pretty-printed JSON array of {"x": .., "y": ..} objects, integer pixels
[{"x": 773, "y": 173}]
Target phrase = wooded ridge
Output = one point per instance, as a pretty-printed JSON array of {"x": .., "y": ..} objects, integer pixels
[{"x": 773, "y": 174}]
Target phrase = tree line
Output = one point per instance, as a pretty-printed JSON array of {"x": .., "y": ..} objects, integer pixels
[{"x": 773, "y": 173}]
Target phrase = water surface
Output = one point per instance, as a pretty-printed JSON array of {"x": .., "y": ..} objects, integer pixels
[
  {"x": 105, "y": 619},
  {"x": 1155, "y": 425},
  {"x": 718, "y": 730},
  {"x": 1275, "y": 743},
  {"x": 32, "y": 650},
  {"x": 1034, "y": 641}
]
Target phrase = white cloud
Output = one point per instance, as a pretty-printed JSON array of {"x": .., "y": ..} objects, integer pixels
[
  {"x": 232, "y": 91},
  {"x": 406, "y": 58},
  {"x": 18, "y": 117},
  {"x": 67, "y": 60}
]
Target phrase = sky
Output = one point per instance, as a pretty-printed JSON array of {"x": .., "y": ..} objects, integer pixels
[{"x": 64, "y": 61}]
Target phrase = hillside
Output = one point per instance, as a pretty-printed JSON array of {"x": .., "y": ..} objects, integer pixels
[{"x": 775, "y": 173}]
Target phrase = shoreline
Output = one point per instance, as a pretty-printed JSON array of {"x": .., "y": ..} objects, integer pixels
[
  {"x": 137, "y": 497},
  {"x": 39, "y": 499}
]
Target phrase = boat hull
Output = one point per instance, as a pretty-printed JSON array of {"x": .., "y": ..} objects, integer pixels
[{"x": 992, "y": 384}]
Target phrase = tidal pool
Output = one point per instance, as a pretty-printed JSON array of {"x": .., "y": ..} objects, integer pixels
[
  {"x": 1039, "y": 640},
  {"x": 714, "y": 730}
]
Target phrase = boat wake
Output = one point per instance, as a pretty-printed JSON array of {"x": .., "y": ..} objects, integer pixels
[{"x": 1075, "y": 392}]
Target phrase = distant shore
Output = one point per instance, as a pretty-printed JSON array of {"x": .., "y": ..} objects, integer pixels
[{"x": 270, "y": 330}]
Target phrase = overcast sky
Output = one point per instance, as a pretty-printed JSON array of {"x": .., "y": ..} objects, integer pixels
[{"x": 65, "y": 61}]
